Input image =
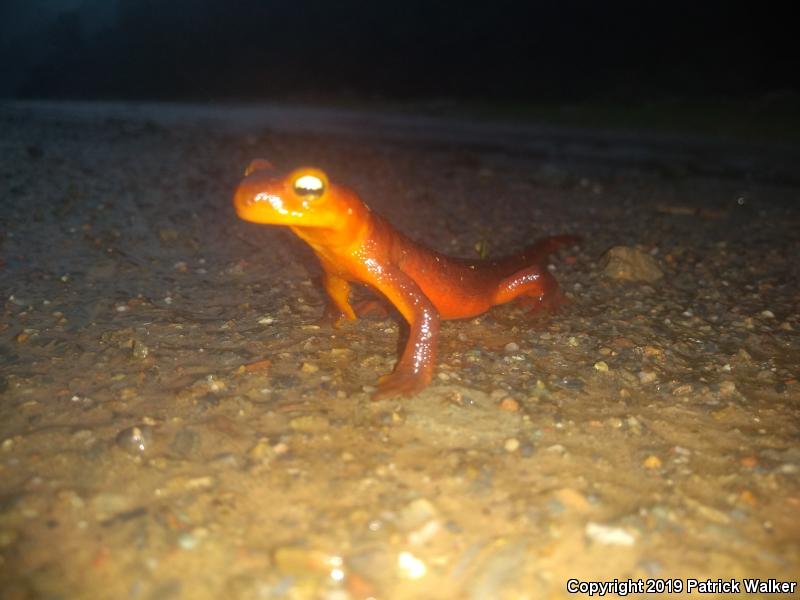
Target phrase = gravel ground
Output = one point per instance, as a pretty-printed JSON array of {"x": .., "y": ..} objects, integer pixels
[{"x": 175, "y": 422}]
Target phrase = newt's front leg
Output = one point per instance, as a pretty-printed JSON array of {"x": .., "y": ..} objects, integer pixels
[
  {"x": 339, "y": 308},
  {"x": 339, "y": 293},
  {"x": 414, "y": 370}
]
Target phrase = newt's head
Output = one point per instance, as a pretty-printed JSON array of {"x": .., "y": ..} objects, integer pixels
[{"x": 303, "y": 198}]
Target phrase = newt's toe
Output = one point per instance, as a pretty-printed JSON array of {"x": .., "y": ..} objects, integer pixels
[{"x": 399, "y": 383}]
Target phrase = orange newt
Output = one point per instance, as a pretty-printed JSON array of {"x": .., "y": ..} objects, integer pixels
[{"x": 354, "y": 244}]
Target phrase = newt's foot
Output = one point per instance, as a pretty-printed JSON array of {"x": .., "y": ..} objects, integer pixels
[
  {"x": 332, "y": 318},
  {"x": 336, "y": 318},
  {"x": 550, "y": 303},
  {"x": 400, "y": 383},
  {"x": 371, "y": 307}
]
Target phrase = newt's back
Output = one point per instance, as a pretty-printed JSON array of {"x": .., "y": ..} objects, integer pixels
[{"x": 459, "y": 287}]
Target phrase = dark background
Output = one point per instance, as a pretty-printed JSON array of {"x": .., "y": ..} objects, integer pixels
[{"x": 335, "y": 50}]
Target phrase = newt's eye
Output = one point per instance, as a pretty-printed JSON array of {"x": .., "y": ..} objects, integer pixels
[{"x": 309, "y": 185}]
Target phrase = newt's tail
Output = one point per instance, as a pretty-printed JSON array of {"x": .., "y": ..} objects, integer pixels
[
  {"x": 535, "y": 254},
  {"x": 547, "y": 246}
]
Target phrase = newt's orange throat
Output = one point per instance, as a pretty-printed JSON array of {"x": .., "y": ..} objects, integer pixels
[{"x": 354, "y": 244}]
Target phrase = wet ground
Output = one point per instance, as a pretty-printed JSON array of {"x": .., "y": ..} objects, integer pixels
[{"x": 175, "y": 422}]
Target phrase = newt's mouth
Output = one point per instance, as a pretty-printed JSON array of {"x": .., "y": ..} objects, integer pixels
[
  {"x": 265, "y": 207},
  {"x": 271, "y": 200}
]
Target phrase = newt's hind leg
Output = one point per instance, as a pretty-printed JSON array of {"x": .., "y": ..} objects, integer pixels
[{"x": 535, "y": 287}]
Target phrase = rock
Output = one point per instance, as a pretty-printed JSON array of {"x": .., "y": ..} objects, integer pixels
[{"x": 630, "y": 264}]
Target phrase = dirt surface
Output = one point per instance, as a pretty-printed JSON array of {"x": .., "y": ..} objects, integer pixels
[{"x": 175, "y": 422}]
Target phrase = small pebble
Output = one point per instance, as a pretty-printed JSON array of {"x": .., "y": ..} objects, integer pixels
[
  {"x": 309, "y": 423},
  {"x": 749, "y": 462},
  {"x": 526, "y": 450},
  {"x": 511, "y": 445},
  {"x": 410, "y": 567},
  {"x": 633, "y": 424},
  {"x": 652, "y": 462},
  {"x": 261, "y": 450},
  {"x": 601, "y": 366},
  {"x": 186, "y": 443},
  {"x": 187, "y": 541},
  {"x": 573, "y": 499},
  {"x": 653, "y": 352},
  {"x": 139, "y": 350},
  {"x": 573, "y": 383},
  {"x": 259, "y": 366},
  {"x": 610, "y": 536},
  {"x": 647, "y": 376},
  {"x": 509, "y": 404},
  {"x": 415, "y": 514},
  {"x": 747, "y": 497},
  {"x": 135, "y": 440},
  {"x": 280, "y": 448},
  {"x": 765, "y": 375}
]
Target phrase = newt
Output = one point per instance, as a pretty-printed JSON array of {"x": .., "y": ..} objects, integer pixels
[{"x": 356, "y": 245}]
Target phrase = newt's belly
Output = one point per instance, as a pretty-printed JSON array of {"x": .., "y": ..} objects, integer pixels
[
  {"x": 455, "y": 292},
  {"x": 457, "y": 305}
]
